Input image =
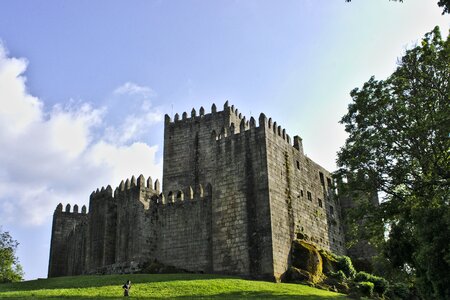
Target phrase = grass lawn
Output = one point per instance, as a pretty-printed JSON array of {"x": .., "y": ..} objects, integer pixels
[{"x": 161, "y": 286}]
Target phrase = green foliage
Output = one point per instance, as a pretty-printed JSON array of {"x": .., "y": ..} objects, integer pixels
[
  {"x": 446, "y": 5},
  {"x": 10, "y": 269},
  {"x": 160, "y": 286},
  {"x": 398, "y": 144},
  {"x": 399, "y": 291},
  {"x": 365, "y": 288},
  {"x": 344, "y": 264},
  {"x": 339, "y": 275},
  {"x": 380, "y": 284}
]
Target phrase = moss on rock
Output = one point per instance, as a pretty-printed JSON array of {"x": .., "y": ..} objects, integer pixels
[
  {"x": 329, "y": 262},
  {"x": 306, "y": 256}
]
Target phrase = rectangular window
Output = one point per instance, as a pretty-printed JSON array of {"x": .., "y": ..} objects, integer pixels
[
  {"x": 320, "y": 202},
  {"x": 308, "y": 194},
  {"x": 331, "y": 210},
  {"x": 322, "y": 178},
  {"x": 301, "y": 193},
  {"x": 329, "y": 182},
  {"x": 298, "y": 165}
]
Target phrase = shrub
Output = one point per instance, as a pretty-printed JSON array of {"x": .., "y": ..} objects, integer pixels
[
  {"x": 399, "y": 291},
  {"x": 339, "y": 275},
  {"x": 380, "y": 284},
  {"x": 345, "y": 265},
  {"x": 366, "y": 288}
]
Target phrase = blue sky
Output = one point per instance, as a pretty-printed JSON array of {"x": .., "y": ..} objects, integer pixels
[{"x": 84, "y": 85}]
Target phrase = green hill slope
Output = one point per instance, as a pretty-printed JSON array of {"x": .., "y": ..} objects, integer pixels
[{"x": 161, "y": 286}]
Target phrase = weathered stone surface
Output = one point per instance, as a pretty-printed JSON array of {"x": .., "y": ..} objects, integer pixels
[{"x": 235, "y": 196}]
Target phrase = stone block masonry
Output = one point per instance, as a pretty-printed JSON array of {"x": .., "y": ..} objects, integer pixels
[{"x": 236, "y": 193}]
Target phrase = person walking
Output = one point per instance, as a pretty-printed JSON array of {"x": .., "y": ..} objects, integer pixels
[{"x": 126, "y": 288}]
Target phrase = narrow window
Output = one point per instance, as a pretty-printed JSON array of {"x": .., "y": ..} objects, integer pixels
[
  {"x": 331, "y": 210},
  {"x": 308, "y": 194},
  {"x": 322, "y": 179},
  {"x": 298, "y": 165},
  {"x": 301, "y": 193},
  {"x": 329, "y": 182},
  {"x": 320, "y": 202}
]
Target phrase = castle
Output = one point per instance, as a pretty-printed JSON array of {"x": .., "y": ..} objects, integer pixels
[{"x": 235, "y": 194}]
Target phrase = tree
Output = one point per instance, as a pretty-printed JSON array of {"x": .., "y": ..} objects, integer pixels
[
  {"x": 10, "y": 269},
  {"x": 441, "y": 3},
  {"x": 399, "y": 143}
]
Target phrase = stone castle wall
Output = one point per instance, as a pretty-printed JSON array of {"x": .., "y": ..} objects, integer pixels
[
  {"x": 302, "y": 202},
  {"x": 262, "y": 192},
  {"x": 64, "y": 225},
  {"x": 184, "y": 230}
]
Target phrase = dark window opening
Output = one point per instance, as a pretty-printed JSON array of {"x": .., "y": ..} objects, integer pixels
[
  {"x": 322, "y": 178},
  {"x": 329, "y": 182},
  {"x": 298, "y": 165},
  {"x": 301, "y": 193},
  {"x": 308, "y": 194},
  {"x": 331, "y": 210},
  {"x": 320, "y": 202}
]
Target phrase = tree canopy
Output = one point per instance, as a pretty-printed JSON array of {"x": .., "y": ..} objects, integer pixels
[
  {"x": 10, "y": 269},
  {"x": 441, "y": 3},
  {"x": 399, "y": 140}
]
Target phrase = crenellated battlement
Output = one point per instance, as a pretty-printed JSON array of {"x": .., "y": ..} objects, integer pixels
[
  {"x": 188, "y": 194},
  {"x": 194, "y": 117},
  {"x": 244, "y": 126},
  {"x": 127, "y": 185},
  {"x": 280, "y": 132},
  {"x": 67, "y": 210}
]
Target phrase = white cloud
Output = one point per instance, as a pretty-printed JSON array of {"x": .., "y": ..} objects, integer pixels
[
  {"x": 130, "y": 88},
  {"x": 70, "y": 128},
  {"x": 125, "y": 161},
  {"x": 56, "y": 155},
  {"x": 18, "y": 109}
]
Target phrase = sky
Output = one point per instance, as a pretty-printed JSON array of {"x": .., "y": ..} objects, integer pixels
[{"x": 84, "y": 85}]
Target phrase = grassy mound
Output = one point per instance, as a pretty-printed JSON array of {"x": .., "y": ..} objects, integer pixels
[{"x": 161, "y": 286}]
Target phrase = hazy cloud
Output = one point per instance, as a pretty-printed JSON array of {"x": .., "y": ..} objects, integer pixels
[
  {"x": 133, "y": 112},
  {"x": 130, "y": 88}
]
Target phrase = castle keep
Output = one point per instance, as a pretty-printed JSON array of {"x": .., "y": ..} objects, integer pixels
[{"x": 235, "y": 194}]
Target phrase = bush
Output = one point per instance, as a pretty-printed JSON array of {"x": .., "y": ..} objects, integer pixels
[
  {"x": 339, "y": 275},
  {"x": 366, "y": 288},
  {"x": 380, "y": 284},
  {"x": 399, "y": 291},
  {"x": 345, "y": 265}
]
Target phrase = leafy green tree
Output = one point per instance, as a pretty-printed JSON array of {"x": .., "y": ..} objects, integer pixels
[
  {"x": 441, "y": 3},
  {"x": 399, "y": 143},
  {"x": 10, "y": 269}
]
